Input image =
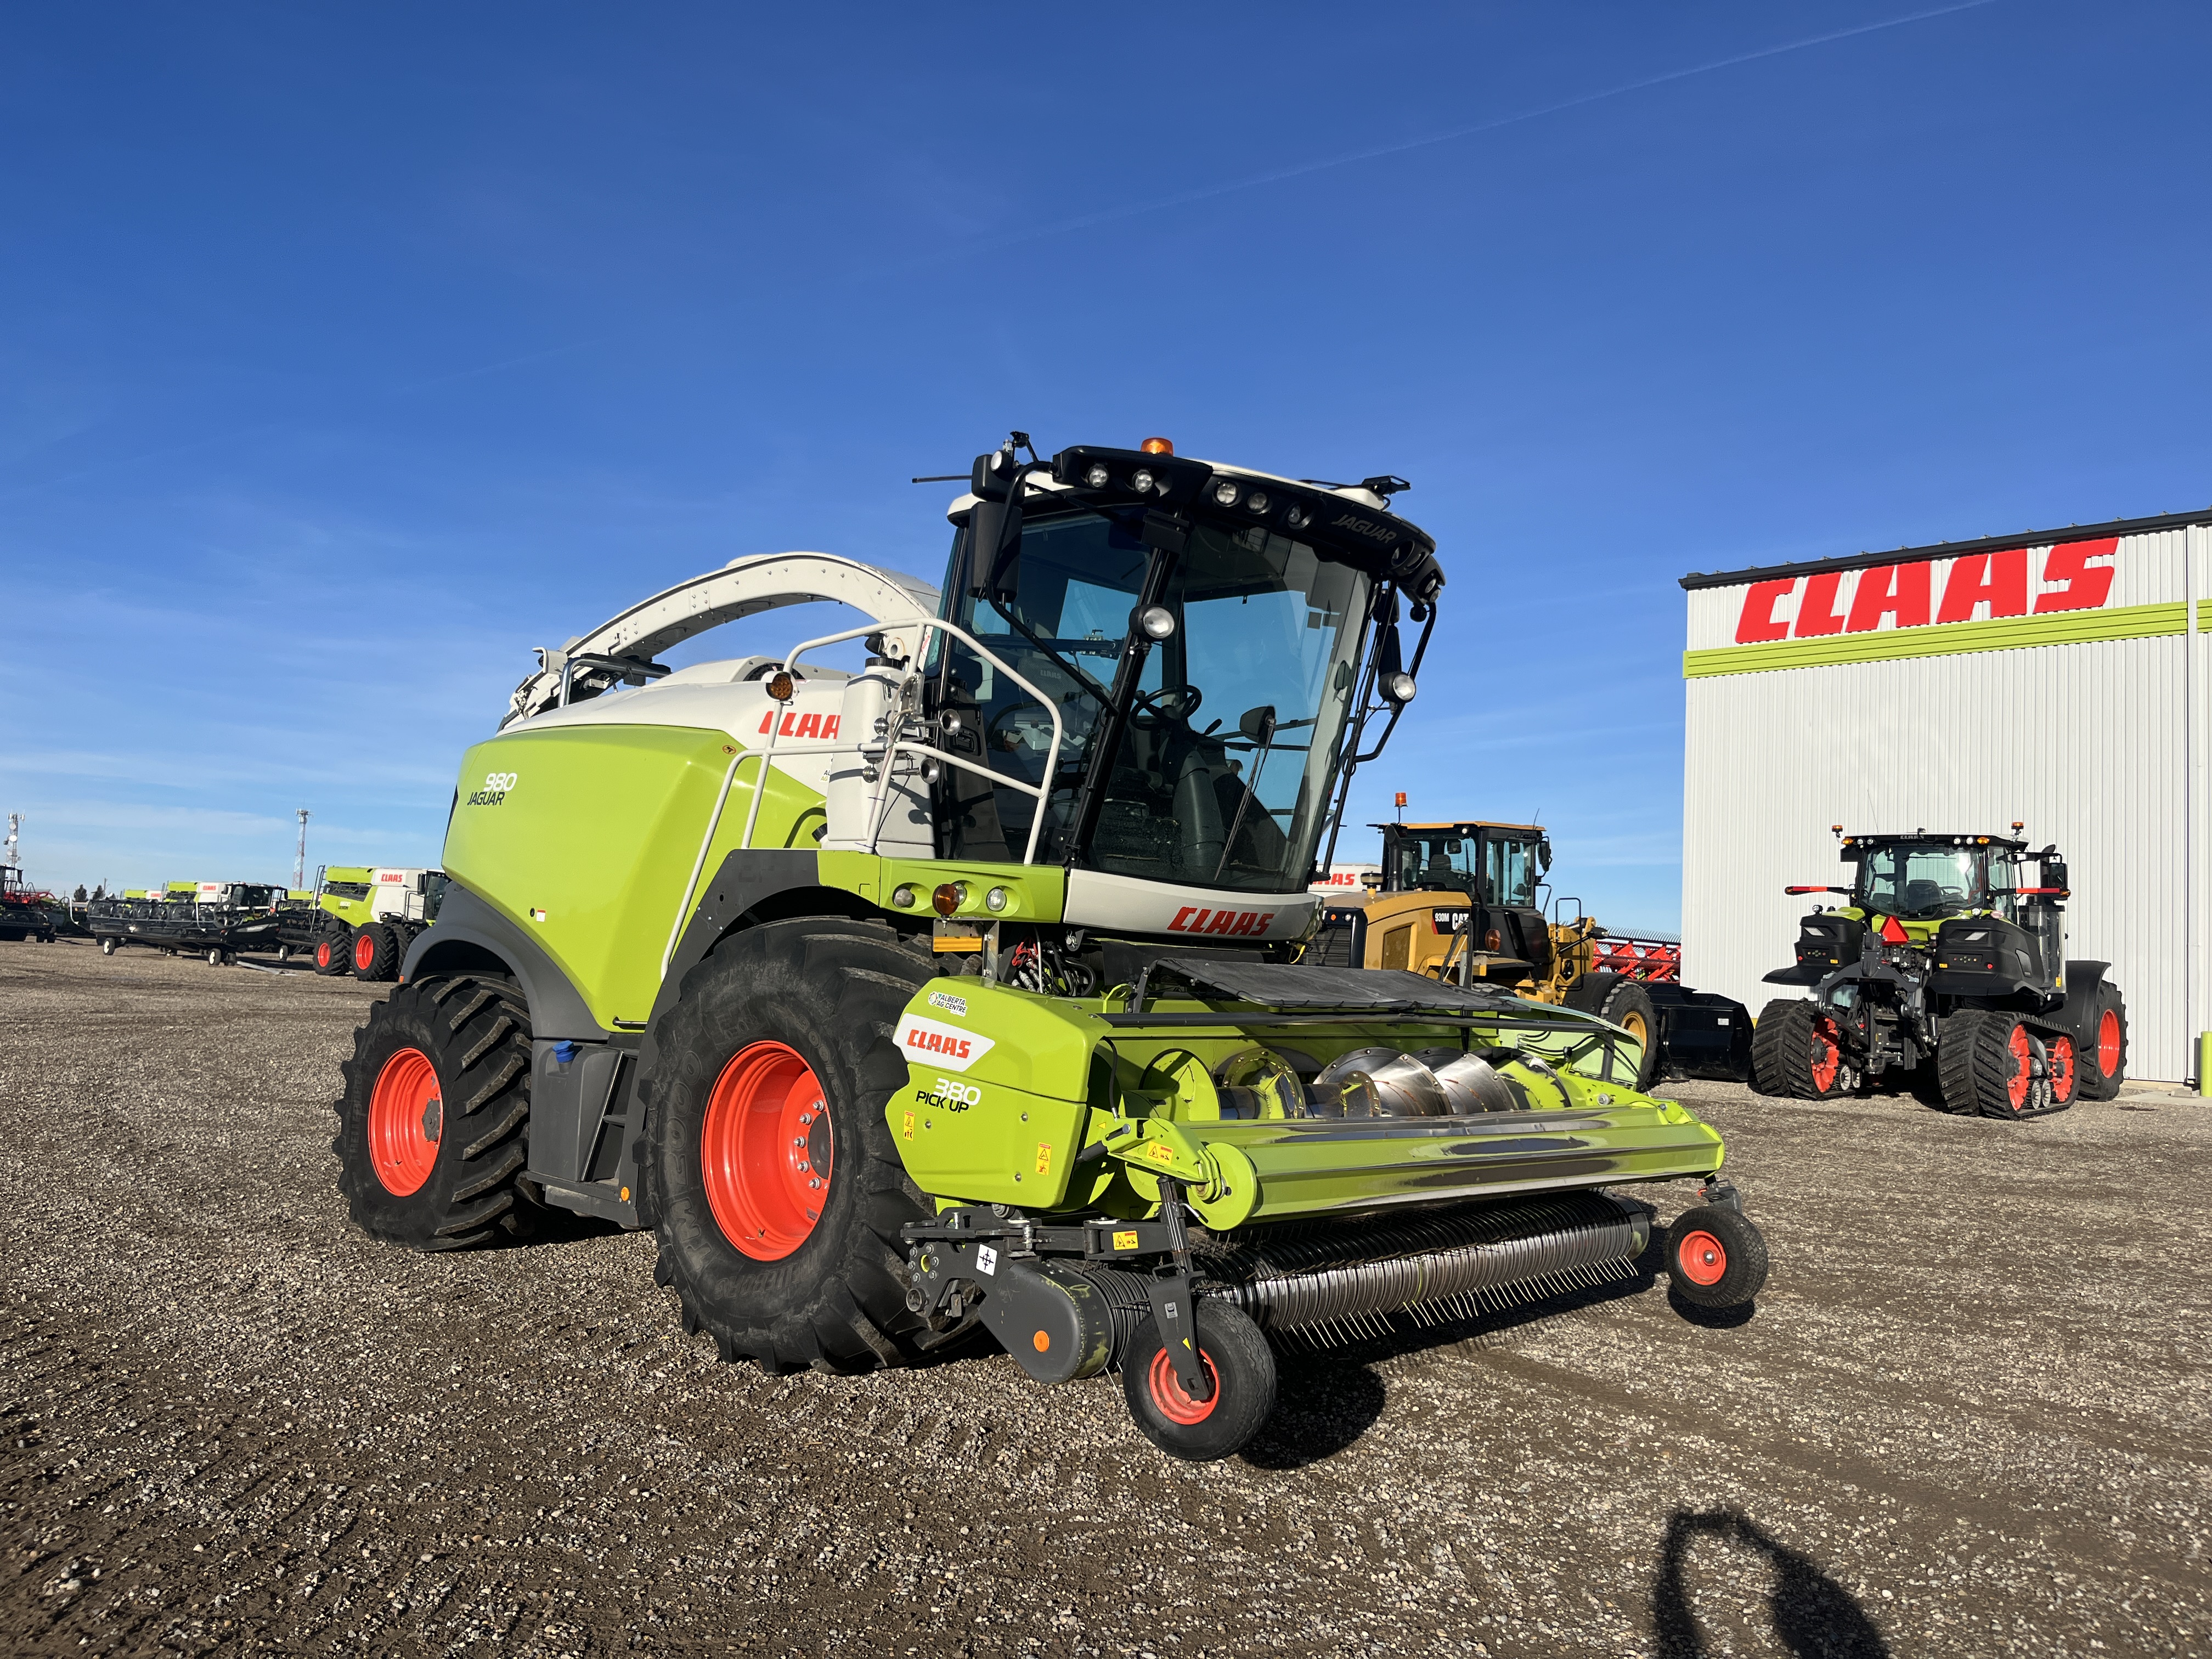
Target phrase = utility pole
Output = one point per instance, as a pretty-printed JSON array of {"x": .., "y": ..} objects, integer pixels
[{"x": 300, "y": 858}]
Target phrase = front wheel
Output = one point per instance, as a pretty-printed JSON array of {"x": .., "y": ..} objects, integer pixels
[
  {"x": 334, "y": 953},
  {"x": 1238, "y": 1362},
  {"x": 771, "y": 1177},
  {"x": 1628, "y": 1005},
  {"x": 107, "y": 947},
  {"x": 1797, "y": 1053}
]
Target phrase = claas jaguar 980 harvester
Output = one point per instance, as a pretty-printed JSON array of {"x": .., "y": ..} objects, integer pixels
[
  {"x": 961, "y": 990},
  {"x": 1947, "y": 969}
]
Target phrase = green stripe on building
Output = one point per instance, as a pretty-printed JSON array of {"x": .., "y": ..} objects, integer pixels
[{"x": 2131, "y": 621}]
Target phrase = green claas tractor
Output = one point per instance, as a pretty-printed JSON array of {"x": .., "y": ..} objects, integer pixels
[
  {"x": 1946, "y": 968},
  {"x": 957, "y": 993}
]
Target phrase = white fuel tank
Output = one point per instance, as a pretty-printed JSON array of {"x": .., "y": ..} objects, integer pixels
[{"x": 851, "y": 800}]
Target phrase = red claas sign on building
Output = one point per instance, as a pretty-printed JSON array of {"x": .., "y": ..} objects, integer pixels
[{"x": 2016, "y": 581}]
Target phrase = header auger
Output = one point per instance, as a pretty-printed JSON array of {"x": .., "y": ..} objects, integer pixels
[{"x": 961, "y": 991}]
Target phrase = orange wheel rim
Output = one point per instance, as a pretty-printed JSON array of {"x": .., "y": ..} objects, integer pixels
[
  {"x": 324, "y": 953},
  {"x": 406, "y": 1120},
  {"x": 1827, "y": 1055},
  {"x": 766, "y": 1150},
  {"x": 1170, "y": 1398},
  {"x": 2061, "y": 1054},
  {"x": 364, "y": 952},
  {"x": 2108, "y": 1042},
  {"x": 1702, "y": 1258},
  {"x": 2022, "y": 1051}
]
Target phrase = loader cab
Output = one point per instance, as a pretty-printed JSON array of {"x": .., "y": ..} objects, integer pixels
[{"x": 1491, "y": 870}]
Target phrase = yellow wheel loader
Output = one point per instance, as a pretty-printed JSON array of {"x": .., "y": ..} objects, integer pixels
[{"x": 1461, "y": 902}]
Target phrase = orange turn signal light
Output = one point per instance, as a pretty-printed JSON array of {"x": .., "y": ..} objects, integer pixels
[
  {"x": 1157, "y": 446},
  {"x": 949, "y": 897}
]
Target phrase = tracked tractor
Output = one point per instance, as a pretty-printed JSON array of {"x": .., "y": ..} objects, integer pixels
[
  {"x": 954, "y": 994},
  {"x": 1945, "y": 970},
  {"x": 1461, "y": 901}
]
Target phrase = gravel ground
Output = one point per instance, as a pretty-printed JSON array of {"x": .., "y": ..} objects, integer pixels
[{"x": 1969, "y": 1415}]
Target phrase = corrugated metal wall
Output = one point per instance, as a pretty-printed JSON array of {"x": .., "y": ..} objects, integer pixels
[{"x": 2083, "y": 741}]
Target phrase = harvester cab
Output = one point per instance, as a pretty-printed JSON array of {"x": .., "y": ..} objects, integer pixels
[
  {"x": 1947, "y": 967},
  {"x": 959, "y": 990}
]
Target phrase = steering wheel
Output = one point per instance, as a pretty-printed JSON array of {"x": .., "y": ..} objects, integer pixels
[
  {"x": 1185, "y": 700},
  {"x": 1004, "y": 741}
]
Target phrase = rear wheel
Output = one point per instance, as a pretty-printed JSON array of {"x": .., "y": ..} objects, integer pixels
[
  {"x": 1989, "y": 1066},
  {"x": 433, "y": 1124},
  {"x": 1628, "y": 1005},
  {"x": 1715, "y": 1257},
  {"x": 770, "y": 1175},
  {"x": 2104, "y": 1061},
  {"x": 375, "y": 952},
  {"x": 1797, "y": 1053},
  {"x": 215, "y": 958},
  {"x": 1238, "y": 1361},
  {"x": 334, "y": 952},
  {"x": 107, "y": 947}
]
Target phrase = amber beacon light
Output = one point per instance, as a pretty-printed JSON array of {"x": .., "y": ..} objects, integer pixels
[{"x": 1157, "y": 446}]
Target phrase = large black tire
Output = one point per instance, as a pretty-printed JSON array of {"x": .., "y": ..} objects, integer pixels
[
  {"x": 376, "y": 953},
  {"x": 1986, "y": 1060},
  {"x": 334, "y": 952},
  {"x": 830, "y": 1292},
  {"x": 458, "y": 1131},
  {"x": 1715, "y": 1257},
  {"x": 1795, "y": 1054},
  {"x": 1627, "y": 1003},
  {"x": 2098, "y": 1081},
  {"x": 1243, "y": 1367}
]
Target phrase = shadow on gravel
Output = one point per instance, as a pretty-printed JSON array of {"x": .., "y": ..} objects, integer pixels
[
  {"x": 1815, "y": 1616},
  {"x": 1329, "y": 1396},
  {"x": 1713, "y": 1319}
]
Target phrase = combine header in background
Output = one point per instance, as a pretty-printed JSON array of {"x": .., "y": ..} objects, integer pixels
[
  {"x": 960, "y": 993},
  {"x": 220, "y": 920}
]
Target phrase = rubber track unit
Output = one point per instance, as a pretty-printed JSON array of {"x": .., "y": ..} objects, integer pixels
[
  {"x": 2093, "y": 1084},
  {"x": 1977, "y": 1064},
  {"x": 1782, "y": 1054},
  {"x": 832, "y": 989},
  {"x": 475, "y": 1032}
]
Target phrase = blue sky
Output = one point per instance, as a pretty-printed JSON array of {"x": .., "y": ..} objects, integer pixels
[{"x": 348, "y": 353}]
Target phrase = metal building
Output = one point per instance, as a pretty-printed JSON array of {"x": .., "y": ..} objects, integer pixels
[{"x": 2057, "y": 677}]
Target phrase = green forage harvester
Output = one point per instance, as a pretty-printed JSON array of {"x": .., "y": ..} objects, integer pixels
[{"x": 964, "y": 988}]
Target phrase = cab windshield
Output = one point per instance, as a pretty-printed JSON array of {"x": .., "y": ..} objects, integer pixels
[
  {"x": 1920, "y": 883},
  {"x": 1221, "y": 778},
  {"x": 1489, "y": 869}
]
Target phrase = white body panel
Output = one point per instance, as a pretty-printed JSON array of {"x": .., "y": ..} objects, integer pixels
[
  {"x": 1125, "y": 904},
  {"x": 2084, "y": 741}
]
